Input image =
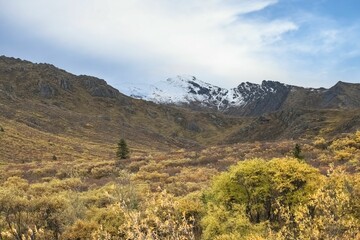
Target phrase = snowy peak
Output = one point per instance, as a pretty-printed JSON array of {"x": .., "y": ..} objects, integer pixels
[
  {"x": 181, "y": 90},
  {"x": 190, "y": 91},
  {"x": 247, "y": 99},
  {"x": 189, "y": 88}
]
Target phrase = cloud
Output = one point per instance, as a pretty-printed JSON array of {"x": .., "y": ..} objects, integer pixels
[
  {"x": 322, "y": 51},
  {"x": 215, "y": 40}
]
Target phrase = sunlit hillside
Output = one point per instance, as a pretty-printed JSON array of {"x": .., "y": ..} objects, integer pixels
[{"x": 288, "y": 174}]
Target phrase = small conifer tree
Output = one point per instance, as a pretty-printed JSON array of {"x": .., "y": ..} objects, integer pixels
[
  {"x": 122, "y": 150},
  {"x": 297, "y": 152}
]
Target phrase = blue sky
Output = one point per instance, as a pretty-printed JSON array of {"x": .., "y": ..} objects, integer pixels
[{"x": 312, "y": 43}]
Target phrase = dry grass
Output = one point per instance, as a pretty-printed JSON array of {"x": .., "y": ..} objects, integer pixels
[{"x": 29, "y": 153}]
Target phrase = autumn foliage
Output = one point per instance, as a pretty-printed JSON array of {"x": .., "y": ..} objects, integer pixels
[{"x": 247, "y": 191}]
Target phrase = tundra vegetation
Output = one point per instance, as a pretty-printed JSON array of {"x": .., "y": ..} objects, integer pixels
[{"x": 242, "y": 191}]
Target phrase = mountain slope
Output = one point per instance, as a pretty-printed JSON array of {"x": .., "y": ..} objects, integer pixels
[
  {"x": 85, "y": 117},
  {"x": 191, "y": 92},
  {"x": 52, "y": 100},
  {"x": 248, "y": 99}
]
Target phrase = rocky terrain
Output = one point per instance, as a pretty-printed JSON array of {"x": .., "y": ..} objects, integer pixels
[{"x": 248, "y": 99}]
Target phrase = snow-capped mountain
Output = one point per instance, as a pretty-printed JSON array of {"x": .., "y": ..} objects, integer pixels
[
  {"x": 247, "y": 99},
  {"x": 190, "y": 91},
  {"x": 181, "y": 90}
]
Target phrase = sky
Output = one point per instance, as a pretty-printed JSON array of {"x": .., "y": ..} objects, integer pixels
[{"x": 311, "y": 43}]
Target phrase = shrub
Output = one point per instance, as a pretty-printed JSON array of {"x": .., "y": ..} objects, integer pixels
[
  {"x": 246, "y": 197},
  {"x": 320, "y": 143}
]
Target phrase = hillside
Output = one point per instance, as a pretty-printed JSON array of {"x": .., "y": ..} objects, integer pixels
[
  {"x": 60, "y": 178},
  {"x": 51, "y": 100},
  {"x": 247, "y": 99},
  {"x": 55, "y": 105}
]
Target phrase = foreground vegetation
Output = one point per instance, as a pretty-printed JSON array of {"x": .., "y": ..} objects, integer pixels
[{"x": 241, "y": 191}]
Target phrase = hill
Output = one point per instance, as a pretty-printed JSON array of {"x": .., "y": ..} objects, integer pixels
[
  {"x": 247, "y": 99},
  {"x": 54, "y": 101},
  {"x": 41, "y": 104}
]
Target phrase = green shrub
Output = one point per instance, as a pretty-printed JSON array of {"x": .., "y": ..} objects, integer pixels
[{"x": 246, "y": 197}]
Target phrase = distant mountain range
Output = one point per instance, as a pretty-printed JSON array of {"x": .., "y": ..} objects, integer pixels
[
  {"x": 179, "y": 112},
  {"x": 49, "y": 99},
  {"x": 247, "y": 99}
]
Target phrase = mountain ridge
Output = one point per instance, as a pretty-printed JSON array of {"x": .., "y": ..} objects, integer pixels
[
  {"x": 48, "y": 99},
  {"x": 247, "y": 99},
  {"x": 52, "y": 100}
]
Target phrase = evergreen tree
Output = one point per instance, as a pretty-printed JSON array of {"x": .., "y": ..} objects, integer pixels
[
  {"x": 297, "y": 152},
  {"x": 122, "y": 149}
]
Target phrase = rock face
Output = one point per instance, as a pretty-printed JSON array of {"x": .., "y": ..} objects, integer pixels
[
  {"x": 46, "y": 90},
  {"x": 259, "y": 99},
  {"x": 248, "y": 99},
  {"x": 65, "y": 84},
  {"x": 98, "y": 87}
]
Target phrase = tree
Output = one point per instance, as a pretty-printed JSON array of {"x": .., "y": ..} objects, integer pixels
[
  {"x": 122, "y": 150},
  {"x": 297, "y": 152}
]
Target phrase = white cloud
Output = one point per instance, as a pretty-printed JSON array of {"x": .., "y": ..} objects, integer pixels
[
  {"x": 213, "y": 39},
  {"x": 208, "y": 38}
]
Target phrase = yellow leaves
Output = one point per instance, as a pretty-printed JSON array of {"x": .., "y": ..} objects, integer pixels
[
  {"x": 16, "y": 183},
  {"x": 102, "y": 171},
  {"x": 28, "y": 206},
  {"x": 343, "y": 151},
  {"x": 278, "y": 198},
  {"x": 347, "y": 150},
  {"x": 159, "y": 216},
  {"x": 159, "y": 219},
  {"x": 220, "y": 223},
  {"x": 81, "y": 230},
  {"x": 349, "y": 141},
  {"x": 13, "y": 198},
  {"x": 320, "y": 142},
  {"x": 290, "y": 196},
  {"x": 7, "y": 234},
  {"x": 329, "y": 213},
  {"x": 250, "y": 190}
]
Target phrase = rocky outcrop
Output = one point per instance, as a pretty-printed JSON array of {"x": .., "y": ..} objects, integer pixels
[
  {"x": 260, "y": 99},
  {"x": 46, "y": 90},
  {"x": 98, "y": 87}
]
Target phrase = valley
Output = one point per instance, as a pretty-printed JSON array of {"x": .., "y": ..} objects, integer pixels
[{"x": 60, "y": 175}]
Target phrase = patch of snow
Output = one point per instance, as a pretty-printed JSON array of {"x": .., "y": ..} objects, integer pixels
[{"x": 185, "y": 89}]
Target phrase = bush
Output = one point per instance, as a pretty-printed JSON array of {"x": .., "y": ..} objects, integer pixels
[
  {"x": 320, "y": 143},
  {"x": 246, "y": 197},
  {"x": 102, "y": 171}
]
